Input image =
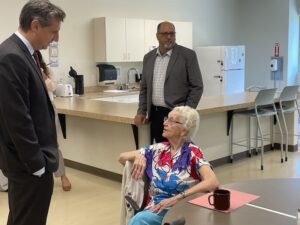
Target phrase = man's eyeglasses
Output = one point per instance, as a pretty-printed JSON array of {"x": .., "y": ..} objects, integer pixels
[
  {"x": 172, "y": 34},
  {"x": 171, "y": 121}
]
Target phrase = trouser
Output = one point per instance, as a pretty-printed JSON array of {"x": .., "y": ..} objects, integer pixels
[
  {"x": 157, "y": 123},
  {"x": 147, "y": 217},
  {"x": 61, "y": 165},
  {"x": 29, "y": 198},
  {"x": 3, "y": 182}
]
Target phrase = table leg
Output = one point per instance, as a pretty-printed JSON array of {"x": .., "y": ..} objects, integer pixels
[
  {"x": 62, "y": 121},
  {"x": 135, "y": 131}
]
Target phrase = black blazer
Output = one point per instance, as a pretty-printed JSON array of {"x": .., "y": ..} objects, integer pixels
[{"x": 28, "y": 139}]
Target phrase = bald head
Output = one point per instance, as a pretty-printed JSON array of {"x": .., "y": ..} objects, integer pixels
[
  {"x": 166, "y": 36},
  {"x": 165, "y": 23}
]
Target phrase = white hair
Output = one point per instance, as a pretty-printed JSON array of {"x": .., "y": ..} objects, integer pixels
[{"x": 192, "y": 119}]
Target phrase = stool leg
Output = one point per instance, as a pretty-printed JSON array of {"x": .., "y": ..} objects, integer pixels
[
  {"x": 231, "y": 140},
  {"x": 287, "y": 135},
  {"x": 249, "y": 137},
  {"x": 272, "y": 133},
  {"x": 298, "y": 109},
  {"x": 281, "y": 144},
  {"x": 256, "y": 139},
  {"x": 262, "y": 143}
]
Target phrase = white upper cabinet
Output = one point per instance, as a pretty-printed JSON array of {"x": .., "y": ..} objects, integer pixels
[
  {"x": 128, "y": 40},
  {"x": 115, "y": 30},
  {"x": 184, "y": 33},
  {"x": 150, "y": 35},
  {"x": 135, "y": 36},
  {"x": 118, "y": 39}
]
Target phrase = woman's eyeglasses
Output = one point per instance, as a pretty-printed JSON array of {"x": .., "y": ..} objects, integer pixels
[{"x": 171, "y": 121}]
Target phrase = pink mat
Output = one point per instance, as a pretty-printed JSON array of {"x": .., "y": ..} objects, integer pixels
[{"x": 237, "y": 199}]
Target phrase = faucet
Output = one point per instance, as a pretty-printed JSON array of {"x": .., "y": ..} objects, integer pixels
[{"x": 128, "y": 73}]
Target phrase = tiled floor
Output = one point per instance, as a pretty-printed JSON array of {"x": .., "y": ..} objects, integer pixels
[{"x": 95, "y": 201}]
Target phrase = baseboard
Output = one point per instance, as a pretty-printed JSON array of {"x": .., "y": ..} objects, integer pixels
[
  {"x": 118, "y": 177},
  {"x": 93, "y": 170},
  {"x": 291, "y": 148},
  {"x": 243, "y": 155}
]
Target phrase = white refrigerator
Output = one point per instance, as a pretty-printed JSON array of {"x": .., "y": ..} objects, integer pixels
[{"x": 222, "y": 69}]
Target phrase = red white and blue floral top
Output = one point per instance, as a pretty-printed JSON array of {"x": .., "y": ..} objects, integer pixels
[{"x": 170, "y": 175}]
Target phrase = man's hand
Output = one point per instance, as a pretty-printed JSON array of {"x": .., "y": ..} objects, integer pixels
[
  {"x": 139, "y": 119},
  {"x": 138, "y": 168}
]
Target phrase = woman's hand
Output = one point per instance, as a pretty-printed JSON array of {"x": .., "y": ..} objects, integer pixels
[
  {"x": 166, "y": 203},
  {"x": 139, "y": 166}
]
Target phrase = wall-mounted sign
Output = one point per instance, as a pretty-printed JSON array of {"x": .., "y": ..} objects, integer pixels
[{"x": 53, "y": 54}]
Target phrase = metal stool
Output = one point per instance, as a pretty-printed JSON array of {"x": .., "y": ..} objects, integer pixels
[
  {"x": 264, "y": 107},
  {"x": 288, "y": 104}
]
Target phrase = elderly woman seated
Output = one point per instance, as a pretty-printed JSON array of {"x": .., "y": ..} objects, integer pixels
[{"x": 176, "y": 168}]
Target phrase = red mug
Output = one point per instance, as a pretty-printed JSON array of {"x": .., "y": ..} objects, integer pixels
[{"x": 221, "y": 199}]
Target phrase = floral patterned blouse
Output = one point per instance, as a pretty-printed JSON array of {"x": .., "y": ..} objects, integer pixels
[{"x": 170, "y": 175}]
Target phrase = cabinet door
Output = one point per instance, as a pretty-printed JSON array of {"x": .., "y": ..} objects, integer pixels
[
  {"x": 115, "y": 40},
  {"x": 150, "y": 35},
  {"x": 184, "y": 34},
  {"x": 135, "y": 39}
]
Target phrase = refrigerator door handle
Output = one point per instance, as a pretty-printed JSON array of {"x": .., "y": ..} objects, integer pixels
[
  {"x": 220, "y": 77},
  {"x": 221, "y": 62}
]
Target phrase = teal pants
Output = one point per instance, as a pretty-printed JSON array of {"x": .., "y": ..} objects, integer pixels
[{"x": 148, "y": 218}]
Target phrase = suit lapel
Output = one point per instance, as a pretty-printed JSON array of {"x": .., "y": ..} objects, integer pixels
[
  {"x": 151, "y": 64},
  {"x": 172, "y": 61},
  {"x": 30, "y": 59},
  {"x": 32, "y": 63}
]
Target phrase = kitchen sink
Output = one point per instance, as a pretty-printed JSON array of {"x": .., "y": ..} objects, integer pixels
[
  {"x": 116, "y": 91},
  {"x": 122, "y": 91},
  {"x": 121, "y": 99}
]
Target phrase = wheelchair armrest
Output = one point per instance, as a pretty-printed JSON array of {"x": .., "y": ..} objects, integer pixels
[
  {"x": 180, "y": 221},
  {"x": 133, "y": 204}
]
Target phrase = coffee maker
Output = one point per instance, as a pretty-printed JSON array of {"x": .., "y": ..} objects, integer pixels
[{"x": 79, "y": 85}]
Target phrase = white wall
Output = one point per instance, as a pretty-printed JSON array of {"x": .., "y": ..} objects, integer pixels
[
  {"x": 258, "y": 24},
  {"x": 262, "y": 24},
  {"x": 213, "y": 23}
]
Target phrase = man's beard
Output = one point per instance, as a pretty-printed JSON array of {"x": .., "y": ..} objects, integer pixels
[{"x": 169, "y": 45}]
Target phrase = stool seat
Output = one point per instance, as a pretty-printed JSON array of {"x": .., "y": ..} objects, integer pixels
[{"x": 260, "y": 112}]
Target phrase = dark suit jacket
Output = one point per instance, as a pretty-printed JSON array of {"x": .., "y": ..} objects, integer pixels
[
  {"x": 28, "y": 139},
  {"x": 183, "y": 84}
]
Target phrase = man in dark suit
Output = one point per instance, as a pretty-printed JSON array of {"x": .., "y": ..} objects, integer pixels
[
  {"x": 28, "y": 143},
  {"x": 171, "y": 77}
]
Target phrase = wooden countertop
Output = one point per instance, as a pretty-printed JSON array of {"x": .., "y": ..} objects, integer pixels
[
  {"x": 214, "y": 104},
  {"x": 83, "y": 106}
]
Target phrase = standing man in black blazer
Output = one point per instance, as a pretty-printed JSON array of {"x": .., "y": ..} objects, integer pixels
[
  {"x": 171, "y": 77},
  {"x": 28, "y": 143}
]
